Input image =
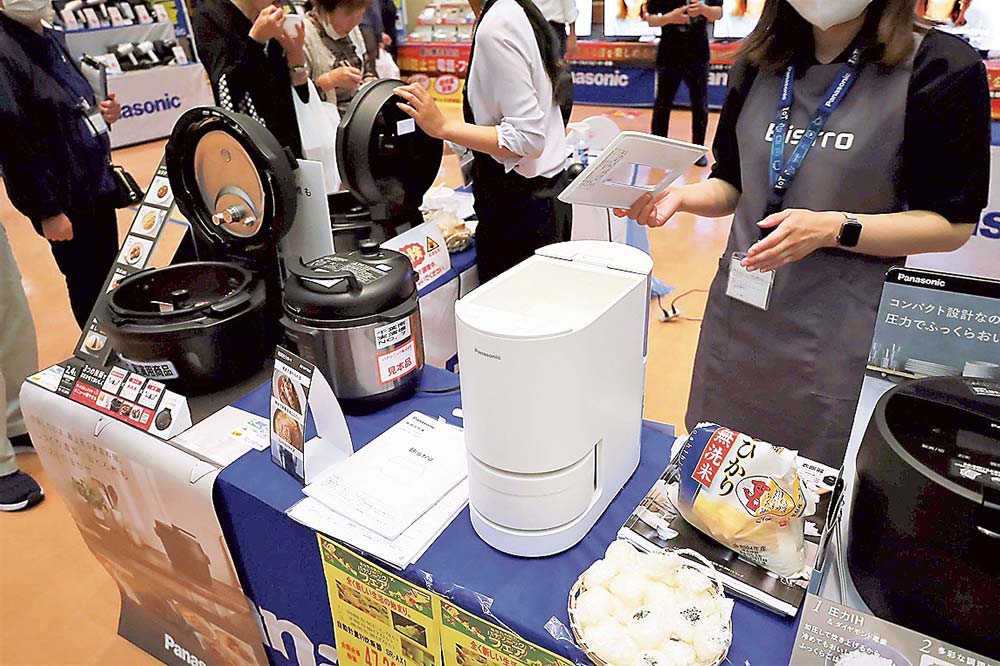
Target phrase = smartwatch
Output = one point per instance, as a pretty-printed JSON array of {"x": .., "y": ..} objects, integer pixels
[{"x": 850, "y": 231}]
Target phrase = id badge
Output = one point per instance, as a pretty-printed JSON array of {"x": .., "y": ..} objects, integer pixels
[
  {"x": 752, "y": 288},
  {"x": 95, "y": 121}
]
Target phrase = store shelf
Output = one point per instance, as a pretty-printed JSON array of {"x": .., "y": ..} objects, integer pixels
[{"x": 97, "y": 41}]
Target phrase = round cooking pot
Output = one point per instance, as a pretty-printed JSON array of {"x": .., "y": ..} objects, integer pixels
[
  {"x": 356, "y": 317},
  {"x": 198, "y": 327}
]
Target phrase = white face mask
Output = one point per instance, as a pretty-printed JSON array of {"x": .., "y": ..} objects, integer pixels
[
  {"x": 824, "y": 14},
  {"x": 28, "y": 12}
]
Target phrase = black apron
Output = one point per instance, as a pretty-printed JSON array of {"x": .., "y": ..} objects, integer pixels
[
  {"x": 792, "y": 375},
  {"x": 517, "y": 215}
]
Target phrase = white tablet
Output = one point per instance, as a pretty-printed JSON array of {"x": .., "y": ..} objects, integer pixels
[{"x": 618, "y": 176}]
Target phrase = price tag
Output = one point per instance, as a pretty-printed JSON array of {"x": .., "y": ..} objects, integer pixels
[
  {"x": 161, "y": 14},
  {"x": 69, "y": 19},
  {"x": 116, "y": 17},
  {"x": 180, "y": 57},
  {"x": 143, "y": 14},
  {"x": 111, "y": 60},
  {"x": 752, "y": 288},
  {"x": 92, "y": 21}
]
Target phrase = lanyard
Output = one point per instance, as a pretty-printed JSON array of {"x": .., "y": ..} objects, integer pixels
[{"x": 783, "y": 172}]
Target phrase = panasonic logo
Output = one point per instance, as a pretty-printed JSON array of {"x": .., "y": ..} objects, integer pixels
[
  {"x": 495, "y": 357},
  {"x": 914, "y": 279},
  {"x": 840, "y": 89},
  {"x": 180, "y": 652},
  {"x": 166, "y": 103},
  {"x": 615, "y": 79}
]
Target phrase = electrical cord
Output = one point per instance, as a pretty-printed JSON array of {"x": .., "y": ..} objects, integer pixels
[{"x": 673, "y": 314}]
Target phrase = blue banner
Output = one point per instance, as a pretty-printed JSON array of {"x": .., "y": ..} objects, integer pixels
[{"x": 612, "y": 85}]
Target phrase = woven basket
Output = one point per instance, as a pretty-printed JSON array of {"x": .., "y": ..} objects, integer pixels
[{"x": 699, "y": 563}]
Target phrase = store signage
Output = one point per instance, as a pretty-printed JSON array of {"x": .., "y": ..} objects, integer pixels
[
  {"x": 607, "y": 84},
  {"x": 153, "y": 100},
  {"x": 426, "y": 249},
  {"x": 830, "y": 633},
  {"x": 306, "y": 652},
  {"x": 167, "y": 102}
]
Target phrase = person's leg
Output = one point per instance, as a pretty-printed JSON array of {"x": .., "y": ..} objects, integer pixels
[
  {"x": 18, "y": 346},
  {"x": 8, "y": 461},
  {"x": 18, "y": 490},
  {"x": 668, "y": 80},
  {"x": 696, "y": 78},
  {"x": 86, "y": 260}
]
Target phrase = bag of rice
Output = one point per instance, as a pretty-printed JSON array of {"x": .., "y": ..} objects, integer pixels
[{"x": 746, "y": 494}]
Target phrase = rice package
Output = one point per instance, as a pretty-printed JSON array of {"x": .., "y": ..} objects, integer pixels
[{"x": 747, "y": 495}]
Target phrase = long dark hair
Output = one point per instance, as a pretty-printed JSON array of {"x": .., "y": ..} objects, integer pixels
[
  {"x": 781, "y": 33},
  {"x": 545, "y": 35}
]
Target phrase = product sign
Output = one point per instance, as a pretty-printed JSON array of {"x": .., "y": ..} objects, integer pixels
[
  {"x": 937, "y": 325},
  {"x": 289, "y": 403},
  {"x": 379, "y": 619},
  {"x": 833, "y": 634},
  {"x": 427, "y": 251},
  {"x": 470, "y": 641},
  {"x": 613, "y": 84}
]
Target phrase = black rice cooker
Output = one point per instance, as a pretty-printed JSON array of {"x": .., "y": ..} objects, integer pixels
[
  {"x": 386, "y": 164},
  {"x": 925, "y": 522},
  {"x": 356, "y": 317},
  {"x": 207, "y": 325}
]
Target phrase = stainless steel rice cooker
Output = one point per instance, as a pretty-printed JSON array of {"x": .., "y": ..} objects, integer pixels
[
  {"x": 207, "y": 325},
  {"x": 925, "y": 522},
  {"x": 355, "y": 315}
]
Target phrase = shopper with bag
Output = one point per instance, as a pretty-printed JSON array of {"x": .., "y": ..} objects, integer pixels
[
  {"x": 335, "y": 50},
  {"x": 255, "y": 61},
  {"x": 55, "y": 151},
  {"x": 850, "y": 139},
  {"x": 516, "y": 84}
]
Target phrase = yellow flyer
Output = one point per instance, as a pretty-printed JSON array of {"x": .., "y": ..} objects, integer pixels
[
  {"x": 470, "y": 641},
  {"x": 379, "y": 619}
]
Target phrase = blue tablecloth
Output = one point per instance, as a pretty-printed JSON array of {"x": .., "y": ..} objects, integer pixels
[{"x": 279, "y": 564}]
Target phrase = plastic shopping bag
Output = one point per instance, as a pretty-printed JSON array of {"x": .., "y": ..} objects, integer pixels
[
  {"x": 318, "y": 122},
  {"x": 385, "y": 67},
  {"x": 747, "y": 495}
]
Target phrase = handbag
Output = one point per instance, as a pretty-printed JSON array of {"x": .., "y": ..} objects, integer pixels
[
  {"x": 127, "y": 190},
  {"x": 318, "y": 121}
]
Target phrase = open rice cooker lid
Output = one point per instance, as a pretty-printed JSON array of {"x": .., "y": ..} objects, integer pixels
[
  {"x": 181, "y": 296},
  {"x": 347, "y": 288},
  {"x": 382, "y": 154},
  {"x": 232, "y": 180}
]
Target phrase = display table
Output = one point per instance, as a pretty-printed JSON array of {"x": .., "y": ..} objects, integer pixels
[{"x": 279, "y": 564}]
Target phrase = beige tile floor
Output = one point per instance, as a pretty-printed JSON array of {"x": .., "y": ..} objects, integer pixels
[{"x": 58, "y": 607}]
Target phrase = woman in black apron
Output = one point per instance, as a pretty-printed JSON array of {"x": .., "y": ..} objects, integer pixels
[
  {"x": 514, "y": 124},
  {"x": 848, "y": 141}
]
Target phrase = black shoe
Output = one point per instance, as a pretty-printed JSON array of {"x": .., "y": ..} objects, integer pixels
[
  {"x": 22, "y": 444},
  {"x": 18, "y": 491},
  {"x": 702, "y": 162}
]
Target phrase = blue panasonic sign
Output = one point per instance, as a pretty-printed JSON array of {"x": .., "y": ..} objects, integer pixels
[
  {"x": 166, "y": 103},
  {"x": 989, "y": 226}
]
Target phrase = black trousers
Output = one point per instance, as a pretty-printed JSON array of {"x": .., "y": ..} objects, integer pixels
[
  {"x": 517, "y": 216},
  {"x": 673, "y": 65},
  {"x": 86, "y": 259}
]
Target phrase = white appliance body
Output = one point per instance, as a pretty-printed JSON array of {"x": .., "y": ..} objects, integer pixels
[{"x": 553, "y": 357}]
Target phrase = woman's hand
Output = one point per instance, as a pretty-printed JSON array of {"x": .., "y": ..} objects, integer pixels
[
  {"x": 57, "y": 228},
  {"x": 650, "y": 213},
  {"x": 696, "y": 9},
  {"x": 797, "y": 234},
  {"x": 270, "y": 24},
  {"x": 345, "y": 77},
  {"x": 421, "y": 107},
  {"x": 294, "y": 45},
  {"x": 111, "y": 109}
]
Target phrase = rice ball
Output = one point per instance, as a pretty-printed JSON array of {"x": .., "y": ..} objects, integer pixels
[
  {"x": 629, "y": 589},
  {"x": 660, "y": 596},
  {"x": 618, "y": 650},
  {"x": 693, "y": 581},
  {"x": 710, "y": 641},
  {"x": 651, "y": 658},
  {"x": 661, "y": 567},
  {"x": 679, "y": 627},
  {"x": 621, "y": 553},
  {"x": 608, "y": 630},
  {"x": 678, "y": 653},
  {"x": 595, "y": 605},
  {"x": 600, "y": 574},
  {"x": 647, "y": 628}
]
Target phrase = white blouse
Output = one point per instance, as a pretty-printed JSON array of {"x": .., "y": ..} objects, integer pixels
[{"x": 509, "y": 88}]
